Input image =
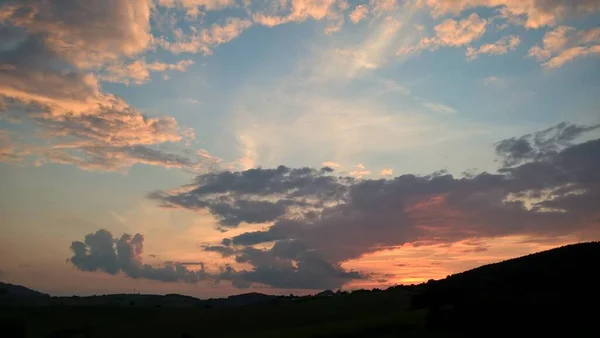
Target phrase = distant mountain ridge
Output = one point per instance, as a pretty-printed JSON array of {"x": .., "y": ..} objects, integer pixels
[
  {"x": 534, "y": 274},
  {"x": 12, "y": 290}
]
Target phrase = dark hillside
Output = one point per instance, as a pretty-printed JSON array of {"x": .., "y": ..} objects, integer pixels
[
  {"x": 11, "y": 290},
  {"x": 552, "y": 293},
  {"x": 540, "y": 292}
]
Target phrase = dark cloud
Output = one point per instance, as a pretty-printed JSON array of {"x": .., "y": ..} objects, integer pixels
[
  {"x": 287, "y": 265},
  {"x": 383, "y": 213},
  {"x": 225, "y": 251},
  {"x": 324, "y": 221},
  {"x": 476, "y": 249},
  {"x": 101, "y": 252},
  {"x": 256, "y": 195},
  {"x": 539, "y": 145}
]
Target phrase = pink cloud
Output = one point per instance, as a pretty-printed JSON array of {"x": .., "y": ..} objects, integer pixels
[
  {"x": 49, "y": 78},
  {"x": 207, "y": 38},
  {"x": 500, "y": 47},
  {"x": 138, "y": 71},
  {"x": 359, "y": 13},
  {"x": 451, "y": 33},
  {"x": 536, "y": 13},
  {"x": 565, "y": 44}
]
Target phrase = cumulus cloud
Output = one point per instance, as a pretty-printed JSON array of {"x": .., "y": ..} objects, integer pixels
[
  {"x": 359, "y": 171},
  {"x": 138, "y": 71},
  {"x": 452, "y": 33},
  {"x": 51, "y": 52},
  {"x": 535, "y": 13},
  {"x": 207, "y": 38},
  {"x": 386, "y": 172},
  {"x": 540, "y": 145},
  {"x": 84, "y": 35},
  {"x": 330, "y": 164},
  {"x": 100, "y": 251},
  {"x": 359, "y": 13},
  {"x": 255, "y": 195},
  {"x": 548, "y": 186},
  {"x": 286, "y": 265},
  {"x": 282, "y": 12},
  {"x": 565, "y": 44},
  {"x": 500, "y": 47},
  {"x": 194, "y": 6}
]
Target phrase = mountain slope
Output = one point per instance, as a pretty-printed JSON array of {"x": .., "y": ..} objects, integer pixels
[
  {"x": 11, "y": 290},
  {"x": 545, "y": 291}
]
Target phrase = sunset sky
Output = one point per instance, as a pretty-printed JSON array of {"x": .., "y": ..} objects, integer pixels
[{"x": 216, "y": 147}]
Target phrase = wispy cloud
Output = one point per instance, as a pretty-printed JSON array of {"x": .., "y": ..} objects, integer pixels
[
  {"x": 438, "y": 107},
  {"x": 500, "y": 47},
  {"x": 565, "y": 44}
]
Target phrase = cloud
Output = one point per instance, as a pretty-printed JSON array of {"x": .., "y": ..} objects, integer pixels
[
  {"x": 88, "y": 35},
  {"x": 249, "y": 152},
  {"x": 138, "y": 72},
  {"x": 207, "y": 38},
  {"x": 383, "y": 5},
  {"x": 225, "y": 251},
  {"x": 360, "y": 171},
  {"x": 540, "y": 145},
  {"x": 282, "y": 12},
  {"x": 386, "y": 172},
  {"x": 451, "y": 33},
  {"x": 549, "y": 187},
  {"x": 249, "y": 196},
  {"x": 359, "y": 13},
  {"x": 101, "y": 252},
  {"x": 440, "y": 108},
  {"x": 500, "y": 47},
  {"x": 330, "y": 164},
  {"x": 50, "y": 57},
  {"x": 565, "y": 44},
  {"x": 536, "y": 13},
  {"x": 287, "y": 265},
  {"x": 192, "y": 6}
]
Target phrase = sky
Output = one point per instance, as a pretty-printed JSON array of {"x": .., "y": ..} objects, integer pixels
[{"x": 216, "y": 147}]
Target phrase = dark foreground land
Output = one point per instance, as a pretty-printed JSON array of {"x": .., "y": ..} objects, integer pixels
[{"x": 553, "y": 293}]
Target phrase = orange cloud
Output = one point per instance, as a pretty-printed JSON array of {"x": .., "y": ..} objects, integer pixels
[
  {"x": 360, "y": 171},
  {"x": 500, "y": 47},
  {"x": 451, "y": 33},
  {"x": 86, "y": 38},
  {"x": 49, "y": 77},
  {"x": 386, "y": 172},
  {"x": 359, "y": 13},
  {"x": 330, "y": 164},
  {"x": 564, "y": 44},
  {"x": 138, "y": 72},
  {"x": 536, "y": 13},
  {"x": 207, "y": 38}
]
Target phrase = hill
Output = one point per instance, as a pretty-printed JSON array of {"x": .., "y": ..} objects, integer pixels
[
  {"x": 557, "y": 286},
  {"x": 11, "y": 290},
  {"x": 548, "y": 293}
]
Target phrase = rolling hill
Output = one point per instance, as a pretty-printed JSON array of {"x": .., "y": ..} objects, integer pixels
[{"x": 547, "y": 293}]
